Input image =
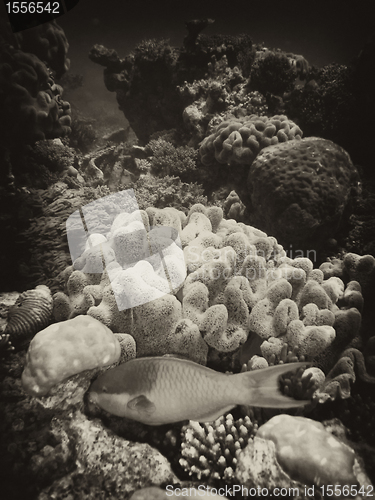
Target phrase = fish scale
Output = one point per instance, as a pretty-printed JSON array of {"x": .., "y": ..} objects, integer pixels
[{"x": 198, "y": 386}]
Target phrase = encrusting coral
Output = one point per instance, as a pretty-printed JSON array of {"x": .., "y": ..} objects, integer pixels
[
  {"x": 65, "y": 349},
  {"x": 294, "y": 452},
  {"x": 239, "y": 140},
  {"x": 299, "y": 189}
]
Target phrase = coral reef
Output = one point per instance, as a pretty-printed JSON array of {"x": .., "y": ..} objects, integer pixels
[
  {"x": 243, "y": 302},
  {"x": 240, "y": 285},
  {"x": 339, "y": 380},
  {"x": 238, "y": 141},
  {"x": 152, "y": 82},
  {"x": 278, "y": 458},
  {"x": 169, "y": 160},
  {"x": 146, "y": 74},
  {"x": 353, "y": 267},
  {"x": 31, "y": 312},
  {"x": 325, "y": 105},
  {"x": 61, "y": 452},
  {"x": 292, "y": 194},
  {"x": 59, "y": 351},
  {"x": 209, "y": 451},
  {"x": 234, "y": 208},
  {"x": 36, "y": 113},
  {"x": 48, "y": 42},
  {"x": 274, "y": 72}
]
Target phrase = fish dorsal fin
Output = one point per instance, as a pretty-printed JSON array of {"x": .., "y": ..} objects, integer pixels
[
  {"x": 176, "y": 356},
  {"x": 142, "y": 404}
]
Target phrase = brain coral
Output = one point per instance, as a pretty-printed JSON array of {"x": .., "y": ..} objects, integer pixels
[
  {"x": 239, "y": 140},
  {"x": 298, "y": 190}
]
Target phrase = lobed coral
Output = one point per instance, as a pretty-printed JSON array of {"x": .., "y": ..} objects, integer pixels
[
  {"x": 238, "y": 141},
  {"x": 349, "y": 367},
  {"x": 298, "y": 190},
  {"x": 234, "y": 208},
  {"x": 353, "y": 267},
  {"x": 239, "y": 284},
  {"x": 64, "y": 349},
  {"x": 312, "y": 323}
]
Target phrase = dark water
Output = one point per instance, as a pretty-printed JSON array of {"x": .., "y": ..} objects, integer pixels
[{"x": 323, "y": 31}]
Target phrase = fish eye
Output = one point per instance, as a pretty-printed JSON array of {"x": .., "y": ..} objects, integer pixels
[{"x": 104, "y": 389}]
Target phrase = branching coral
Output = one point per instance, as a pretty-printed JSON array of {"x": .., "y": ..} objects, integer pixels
[
  {"x": 299, "y": 189},
  {"x": 169, "y": 160},
  {"x": 167, "y": 191},
  {"x": 209, "y": 451},
  {"x": 326, "y": 105},
  {"x": 272, "y": 72},
  {"x": 238, "y": 141}
]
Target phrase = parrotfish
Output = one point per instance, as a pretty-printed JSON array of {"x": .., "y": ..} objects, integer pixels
[{"x": 161, "y": 390}]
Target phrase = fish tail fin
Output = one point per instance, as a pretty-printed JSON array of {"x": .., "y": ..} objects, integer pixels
[{"x": 261, "y": 387}]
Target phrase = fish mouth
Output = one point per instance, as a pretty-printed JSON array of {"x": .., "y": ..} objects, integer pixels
[{"x": 91, "y": 401}]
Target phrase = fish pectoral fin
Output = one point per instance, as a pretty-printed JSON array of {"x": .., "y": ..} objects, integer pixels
[
  {"x": 212, "y": 416},
  {"x": 142, "y": 404}
]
